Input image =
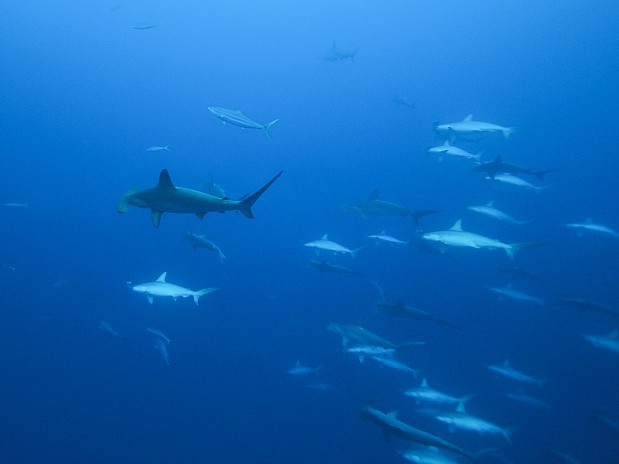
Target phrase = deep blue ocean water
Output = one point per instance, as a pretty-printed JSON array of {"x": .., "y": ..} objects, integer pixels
[{"x": 83, "y": 94}]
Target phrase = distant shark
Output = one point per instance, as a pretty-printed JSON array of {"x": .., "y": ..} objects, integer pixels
[
  {"x": 498, "y": 166},
  {"x": 391, "y": 425},
  {"x": 399, "y": 309},
  {"x": 374, "y": 206},
  {"x": 468, "y": 128},
  {"x": 162, "y": 288},
  {"x": 166, "y": 198},
  {"x": 324, "y": 266},
  {"x": 335, "y": 54},
  {"x": 457, "y": 237}
]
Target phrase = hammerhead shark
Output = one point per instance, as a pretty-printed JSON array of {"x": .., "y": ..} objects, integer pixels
[{"x": 166, "y": 198}]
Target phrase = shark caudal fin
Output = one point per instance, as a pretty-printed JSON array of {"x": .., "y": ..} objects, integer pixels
[
  {"x": 508, "y": 131},
  {"x": 511, "y": 249},
  {"x": 125, "y": 201},
  {"x": 200, "y": 293},
  {"x": 267, "y": 127},
  {"x": 247, "y": 203}
]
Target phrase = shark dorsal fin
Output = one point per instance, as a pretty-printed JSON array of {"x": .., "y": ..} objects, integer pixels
[
  {"x": 498, "y": 159},
  {"x": 461, "y": 408},
  {"x": 490, "y": 204},
  {"x": 393, "y": 414},
  {"x": 162, "y": 277},
  {"x": 164, "y": 180},
  {"x": 506, "y": 363},
  {"x": 374, "y": 195},
  {"x": 589, "y": 221},
  {"x": 424, "y": 383},
  {"x": 447, "y": 144},
  {"x": 457, "y": 226},
  {"x": 614, "y": 334},
  {"x": 468, "y": 118},
  {"x": 324, "y": 237}
]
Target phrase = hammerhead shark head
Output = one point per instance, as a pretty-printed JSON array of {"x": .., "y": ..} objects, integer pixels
[{"x": 166, "y": 198}]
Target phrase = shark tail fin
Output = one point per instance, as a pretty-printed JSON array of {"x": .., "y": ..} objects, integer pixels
[
  {"x": 508, "y": 131},
  {"x": 247, "y": 203},
  {"x": 354, "y": 252},
  {"x": 124, "y": 202},
  {"x": 200, "y": 293},
  {"x": 521, "y": 246},
  {"x": 268, "y": 126}
]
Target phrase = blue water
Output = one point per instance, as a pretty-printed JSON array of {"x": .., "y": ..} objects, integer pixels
[{"x": 83, "y": 94}]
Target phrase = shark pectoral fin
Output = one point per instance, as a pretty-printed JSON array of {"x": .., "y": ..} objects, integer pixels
[
  {"x": 200, "y": 215},
  {"x": 155, "y": 216},
  {"x": 149, "y": 298}
]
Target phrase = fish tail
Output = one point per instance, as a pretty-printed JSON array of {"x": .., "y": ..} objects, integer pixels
[
  {"x": 247, "y": 203},
  {"x": 267, "y": 127},
  {"x": 124, "y": 202},
  {"x": 201, "y": 293},
  {"x": 508, "y": 131}
]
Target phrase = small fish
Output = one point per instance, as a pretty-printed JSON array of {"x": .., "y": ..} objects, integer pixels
[
  {"x": 143, "y": 27},
  {"x": 236, "y": 118},
  {"x": 15, "y": 205},
  {"x": 158, "y": 148}
]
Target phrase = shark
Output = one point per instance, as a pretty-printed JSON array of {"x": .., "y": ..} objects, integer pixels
[
  {"x": 368, "y": 350},
  {"x": 468, "y": 128},
  {"x": 383, "y": 237},
  {"x": 506, "y": 370},
  {"x": 161, "y": 346},
  {"x": 401, "y": 310},
  {"x": 403, "y": 102},
  {"x": 589, "y": 226},
  {"x": 107, "y": 328},
  {"x": 159, "y": 333},
  {"x": 457, "y": 237},
  {"x": 490, "y": 211},
  {"x": 448, "y": 149},
  {"x": 374, "y": 206},
  {"x": 589, "y": 306},
  {"x": 427, "y": 455},
  {"x": 391, "y": 425},
  {"x": 162, "y": 288},
  {"x": 336, "y": 54},
  {"x": 325, "y": 244},
  {"x": 236, "y": 118},
  {"x": 200, "y": 241},
  {"x": 524, "y": 398},
  {"x": 424, "y": 393},
  {"x": 608, "y": 342},
  {"x": 324, "y": 266},
  {"x": 166, "y": 198},
  {"x": 392, "y": 363},
  {"x": 498, "y": 166},
  {"x": 354, "y": 335},
  {"x": 460, "y": 419},
  {"x": 300, "y": 370},
  {"x": 516, "y": 181},
  {"x": 509, "y": 292}
]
